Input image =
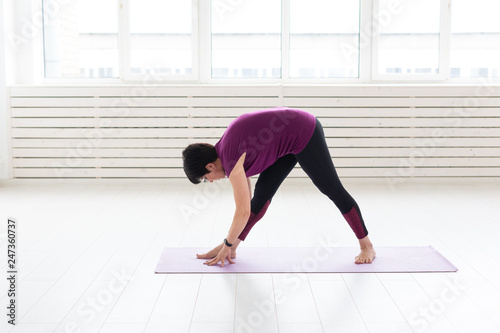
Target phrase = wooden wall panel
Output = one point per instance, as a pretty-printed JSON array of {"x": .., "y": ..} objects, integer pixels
[{"x": 389, "y": 131}]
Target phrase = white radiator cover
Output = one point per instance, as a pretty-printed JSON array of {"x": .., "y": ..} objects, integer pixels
[{"x": 384, "y": 131}]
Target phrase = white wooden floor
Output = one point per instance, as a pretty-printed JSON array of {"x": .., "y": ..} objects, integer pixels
[{"x": 88, "y": 249}]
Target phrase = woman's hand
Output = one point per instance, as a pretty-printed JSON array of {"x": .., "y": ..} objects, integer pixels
[
  {"x": 212, "y": 253},
  {"x": 215, "y": 251},
  {"x": 224, "y": 253}
]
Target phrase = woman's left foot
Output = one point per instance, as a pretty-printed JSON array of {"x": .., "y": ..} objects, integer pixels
[{"x": 366, "y": 256}]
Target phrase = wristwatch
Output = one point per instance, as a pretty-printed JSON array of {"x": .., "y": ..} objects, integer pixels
[{"x": 227, "y": 243}]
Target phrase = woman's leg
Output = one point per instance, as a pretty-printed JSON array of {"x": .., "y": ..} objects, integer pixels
[
  {"x": 317, "y": 163},
  {"x": 267, "y": 184}
]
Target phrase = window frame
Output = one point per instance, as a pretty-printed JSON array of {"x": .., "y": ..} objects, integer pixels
[
  {"x": 202, "y": 64},
  {"x": 125, "y": 48},
  {"x": 285, "y": 55},
  {"x": 443, "y": 61}
]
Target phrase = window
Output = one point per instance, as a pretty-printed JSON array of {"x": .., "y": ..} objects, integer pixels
[
  {"x": 408, "y": 37},
  {"x": 160, "y": 37},
  {"x": 246, "y": 39},
  {"x": 295, "y": 41},
  {"x": 324, "y": 38},
  {"x": 81, "y": 39},
  {"x": 475, "y": 38}
]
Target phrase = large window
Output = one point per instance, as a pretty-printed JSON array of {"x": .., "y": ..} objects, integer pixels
[
  {"x": 322, "y": 35},
  {"x": 272, "y": 40},
  {"x": 475, "y": 38},
  {"x": 246, "y": 39},
  {"x": 81, "y": 39},
  {"x": 161, "y": 37},
  {"x": 408, "y": 37}
]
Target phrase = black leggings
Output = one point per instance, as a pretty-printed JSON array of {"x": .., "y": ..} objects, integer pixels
[{"x": 317, "y": 163}]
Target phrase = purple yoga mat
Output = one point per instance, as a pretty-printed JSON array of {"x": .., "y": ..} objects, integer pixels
[{"x": 307, "y": 260}]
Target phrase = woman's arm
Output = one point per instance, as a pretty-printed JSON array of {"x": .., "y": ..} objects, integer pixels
[
  {"x": 249, "y": 187},
  {"x": 241, "y": 195},
  {"x": 241, "y": 192}
]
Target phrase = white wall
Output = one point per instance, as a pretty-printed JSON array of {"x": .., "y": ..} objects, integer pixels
[
  {"x": 24, "y": 41},
  {"x": 4, "y": 157},
  {"x": 20, "y": 40}
]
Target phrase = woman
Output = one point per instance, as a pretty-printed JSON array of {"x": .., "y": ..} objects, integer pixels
[{"x": 270, "y": 143}]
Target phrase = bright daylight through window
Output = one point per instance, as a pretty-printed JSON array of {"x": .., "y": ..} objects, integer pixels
[
  {"x": 406, "y": 46},
  {"x": 272, "y": 39},
  {"x": 324, "y": 38},
  {"x": 160, "y": 37},
  {"x": 475, "y": 38},
  {"x": 81, "y": 39},
  {"x": 246, "y": 39}
]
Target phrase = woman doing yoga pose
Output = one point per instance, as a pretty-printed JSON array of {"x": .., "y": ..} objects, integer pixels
[{"x": 270, "y": 143}]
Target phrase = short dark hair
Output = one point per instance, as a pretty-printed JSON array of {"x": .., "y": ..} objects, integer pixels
[{"x": 195, "y": 158}]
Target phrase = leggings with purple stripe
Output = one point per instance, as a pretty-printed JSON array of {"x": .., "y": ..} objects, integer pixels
[{"x": 317, "y": 163}]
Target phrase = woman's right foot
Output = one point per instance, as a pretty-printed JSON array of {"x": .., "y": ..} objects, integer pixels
[
  {"x": 366, "y": 256},
  {"x": 367, "y": 253}
]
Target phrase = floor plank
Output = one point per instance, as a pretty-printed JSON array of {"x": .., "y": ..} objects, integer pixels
[{"x": 88, "y": 249}]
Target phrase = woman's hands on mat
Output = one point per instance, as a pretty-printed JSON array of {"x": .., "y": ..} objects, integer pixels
[
  {"x": 219, "y": 254},
  {"x": 241, "y": 192},
  {"x": 212, "y": 254}
]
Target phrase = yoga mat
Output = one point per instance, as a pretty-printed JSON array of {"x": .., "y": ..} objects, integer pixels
[{"x": 307, "y": 260}]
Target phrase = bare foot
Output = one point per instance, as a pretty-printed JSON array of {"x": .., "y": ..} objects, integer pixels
[
  {"x": 366, "y": 256},
  {"x": 367, "y": 253}
]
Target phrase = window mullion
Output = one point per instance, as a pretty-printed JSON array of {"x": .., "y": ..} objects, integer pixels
[
  {"x": 374, "y": 40},
  {"x": 204, "y": 42},
  {"x": 124, "y": 39},
  {"x": 195, "y": 37},
  {"x": 365, "y": 40},
  {"x": 285, "y": 39},
  {"x": 445, "y": 40}
]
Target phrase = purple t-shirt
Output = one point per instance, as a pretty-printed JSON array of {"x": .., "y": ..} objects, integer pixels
[{"x": 265, "y": 136}]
